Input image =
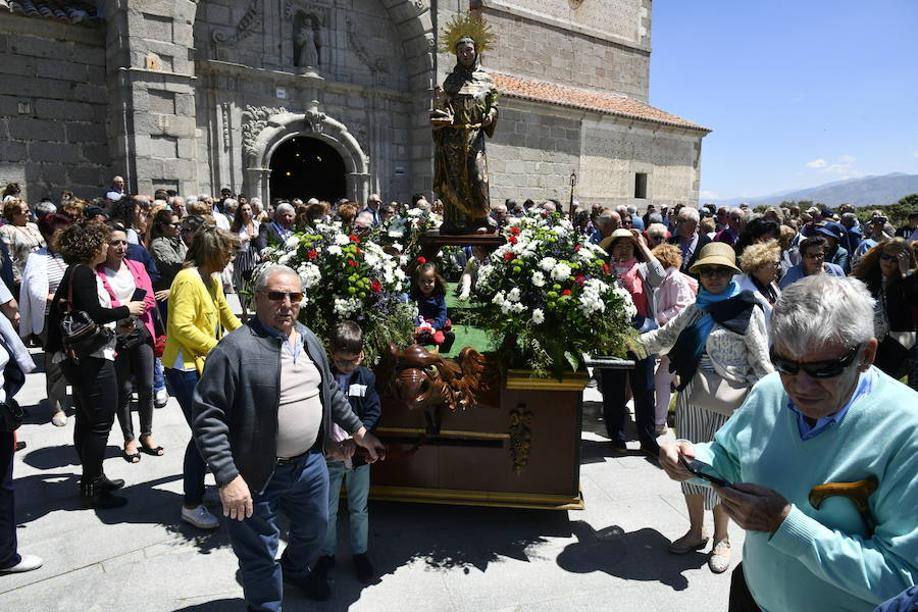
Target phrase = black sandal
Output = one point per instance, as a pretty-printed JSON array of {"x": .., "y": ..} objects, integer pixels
[
  {"x": 156, "y": 452},
  {"x": 130, "y": 457}
]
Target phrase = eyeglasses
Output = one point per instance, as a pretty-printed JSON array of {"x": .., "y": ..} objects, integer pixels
[
  {"x": 715, "y": 271},
  {"x": 887, "y": 257},
  {"x": 814, "y": 369},
  {"x": 279, "y": 296}
]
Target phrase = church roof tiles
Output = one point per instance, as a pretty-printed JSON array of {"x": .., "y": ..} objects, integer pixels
[
  {"x": 574, "y": 97},
  {"x": 70, "y": 11}
]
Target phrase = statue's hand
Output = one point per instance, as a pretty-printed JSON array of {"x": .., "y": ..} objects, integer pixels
[{"x": 487, "y": 120}]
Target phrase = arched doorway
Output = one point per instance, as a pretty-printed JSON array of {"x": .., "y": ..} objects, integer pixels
[{"x": 304, "y": 168}]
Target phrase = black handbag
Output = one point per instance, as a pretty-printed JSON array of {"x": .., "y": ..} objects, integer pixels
[
  {"x": 138, "y": 334},
  {"x": 80, "y": 335},
  {"x": 11, "y": 415}
]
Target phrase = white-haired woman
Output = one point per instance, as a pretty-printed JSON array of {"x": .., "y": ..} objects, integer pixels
[
  {"x": 718, "y": 347},
  {"x": 687, "y": 237},
  {"x": 760, "y": 263}
]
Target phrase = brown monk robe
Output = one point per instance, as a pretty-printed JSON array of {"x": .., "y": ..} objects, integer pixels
[{"x": 467, "y": 112}]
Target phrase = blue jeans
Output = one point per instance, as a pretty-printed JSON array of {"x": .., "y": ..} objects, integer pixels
[
  {"x": 358, "y": 490},
  {"x": 300, "y": 489},
  {"x": 194, "y": 468},
  {"x": 159, "y": 380}
]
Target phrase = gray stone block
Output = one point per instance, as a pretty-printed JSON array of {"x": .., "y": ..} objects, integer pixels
[
  {"x": 17, "y": 65},
  {"x": 86, "y": 133},
  {"x": 13, "y": 151},
  {"x": 97, "y": 154},
  {"x": 88, "y": 175},
  {"x": 60, "y": 69},
  {"x": 54, "y": 152},
  {"x": 63, "y": 109},
  {"x": 28, "y": 129},
  {"x": 54, "y": 174}
]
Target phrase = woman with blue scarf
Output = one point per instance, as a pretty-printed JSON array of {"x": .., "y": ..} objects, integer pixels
[{"x": 718, "y": 349}]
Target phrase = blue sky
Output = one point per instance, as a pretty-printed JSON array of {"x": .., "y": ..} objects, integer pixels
[{"x": 798, "y": 93}]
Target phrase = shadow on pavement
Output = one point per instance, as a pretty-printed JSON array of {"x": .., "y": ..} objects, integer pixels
[
  {"x": 218, "y": 605},
  {"x": 53, "y": 457},
  {"x": 637, "y": 555}
]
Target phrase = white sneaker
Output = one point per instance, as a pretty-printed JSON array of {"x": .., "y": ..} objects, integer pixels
[
  {"x": 200, "y": 517},
  {"x": 161, "y": 398},
  {"x": 26, "y": 564}
]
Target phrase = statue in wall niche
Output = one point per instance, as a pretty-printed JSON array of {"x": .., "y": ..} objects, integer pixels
[
  {"x": 464, "y": 113},
  {"x": 306, "y": 38}
]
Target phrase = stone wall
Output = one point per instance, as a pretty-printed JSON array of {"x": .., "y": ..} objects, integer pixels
[
  {"x": 537, "y": 146},
  {"x": 53, "y": 106}
]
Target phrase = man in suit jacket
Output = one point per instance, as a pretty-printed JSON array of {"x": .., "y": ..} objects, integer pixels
[
  {"x": 687, "y": 238},
  {"x": 278, "y": 230}
]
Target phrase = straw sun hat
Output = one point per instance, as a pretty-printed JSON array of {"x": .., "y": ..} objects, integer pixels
[
  {"x": 716, "y": 254},
  {"x": 607, "y": 242}
]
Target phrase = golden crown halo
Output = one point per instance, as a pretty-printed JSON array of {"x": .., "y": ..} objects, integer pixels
[{"x": 466, "y": 26}]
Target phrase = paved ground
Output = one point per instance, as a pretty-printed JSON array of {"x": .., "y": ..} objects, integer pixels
[{"x": 610, "y": 556}]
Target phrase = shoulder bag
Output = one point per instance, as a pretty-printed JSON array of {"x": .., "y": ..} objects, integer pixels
[{"x": 80, "y": 335}]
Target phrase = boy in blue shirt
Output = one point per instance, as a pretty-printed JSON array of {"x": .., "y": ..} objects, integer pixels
[{"x": 359, "y": 385}]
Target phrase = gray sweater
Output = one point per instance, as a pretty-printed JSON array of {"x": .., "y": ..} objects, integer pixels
[{"x": 235, "y": 403}]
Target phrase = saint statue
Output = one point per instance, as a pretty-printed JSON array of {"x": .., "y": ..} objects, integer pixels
[
  {"x": 465, "y": 112},
  {"x": 308, "y": 56}
]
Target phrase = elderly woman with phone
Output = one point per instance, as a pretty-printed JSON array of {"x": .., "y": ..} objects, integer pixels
[
  {"x": 127, "y": 281},
  {"x": 718, "y": 348}
]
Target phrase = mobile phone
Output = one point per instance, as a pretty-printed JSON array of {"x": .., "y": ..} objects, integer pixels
[
  {"x": 139, "y": 295},
  {"x": 697, "y": 469}
]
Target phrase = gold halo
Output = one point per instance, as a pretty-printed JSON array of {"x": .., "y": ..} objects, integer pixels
[{"x": 467, "y": 25}]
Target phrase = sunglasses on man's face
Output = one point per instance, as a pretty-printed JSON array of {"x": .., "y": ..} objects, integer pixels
[
  {"x": 278, "y": 296},
  {"x": 814, "y": 369}
]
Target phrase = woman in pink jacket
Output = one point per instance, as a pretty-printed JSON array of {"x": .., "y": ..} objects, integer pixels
[
  {"x": 127, "y": 281},
  {"x": 673, "y": 295}
]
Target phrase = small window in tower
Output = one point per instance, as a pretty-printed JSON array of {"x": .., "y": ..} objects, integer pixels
[{"x": 640, "y": 185}]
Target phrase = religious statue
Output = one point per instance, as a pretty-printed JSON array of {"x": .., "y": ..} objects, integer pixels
[
  {"x": 465, "y": 112},
  {"x": 307, "y": 40}
]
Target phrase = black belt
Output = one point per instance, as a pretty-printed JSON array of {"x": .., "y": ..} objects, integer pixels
[{"x": 289, "y": 460}]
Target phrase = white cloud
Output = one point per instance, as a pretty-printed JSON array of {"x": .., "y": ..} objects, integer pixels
[
  {"x": 915, "y": 154},
  {"x": 709, "y": 195},
  {"x": 842, "y": 167}
]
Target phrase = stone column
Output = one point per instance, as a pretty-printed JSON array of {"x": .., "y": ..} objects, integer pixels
[
  {"x": 358, "y": 186},
  {"x": 258, "y": 183},
  {"x": 152, "y": 113}
]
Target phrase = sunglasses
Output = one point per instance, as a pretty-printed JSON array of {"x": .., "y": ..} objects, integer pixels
[
  {"x": 887, "y": 257},
  {"x": 707, "y": 271},
  {"x": 814, "y": 369},
  {"x": 279, "y": 296}
]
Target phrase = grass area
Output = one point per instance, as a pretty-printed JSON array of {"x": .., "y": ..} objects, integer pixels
[{"x": 466, "y": 335}]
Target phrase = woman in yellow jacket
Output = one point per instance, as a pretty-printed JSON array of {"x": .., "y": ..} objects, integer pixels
[{"x": 198, "y": 318}]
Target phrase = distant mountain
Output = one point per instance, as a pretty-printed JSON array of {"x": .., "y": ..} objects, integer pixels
[{"x": 886, "y": 189}]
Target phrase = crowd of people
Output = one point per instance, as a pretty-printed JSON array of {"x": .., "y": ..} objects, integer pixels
[{"x": 724, "y": 299}]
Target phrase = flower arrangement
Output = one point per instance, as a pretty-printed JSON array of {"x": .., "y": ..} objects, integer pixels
[
  {"x": 346, "y": 278},
  {"x": 548, "y": 296},
  {"x": 406, "y": 228}
]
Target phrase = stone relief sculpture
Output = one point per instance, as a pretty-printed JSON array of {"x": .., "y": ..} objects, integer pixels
[
  {"x": 465, "y": 112},
  {"x": 307, "y": 45}
]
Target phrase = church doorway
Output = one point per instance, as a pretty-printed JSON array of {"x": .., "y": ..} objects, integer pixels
[{"x": 304, "y": 168}]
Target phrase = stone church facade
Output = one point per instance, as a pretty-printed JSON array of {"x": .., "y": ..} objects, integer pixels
[{"x": 329, "y": 98}]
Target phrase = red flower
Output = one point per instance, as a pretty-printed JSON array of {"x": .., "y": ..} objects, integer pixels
[
  {"x": 359, "y": 250},
  {"x": 512, "y": 240},
  {"x": 580, "y": 278},
  {"x": 375, "y": 286},
  {"x": 606, "y": 269},
  {"x": 566, "y": 292},
  {"x": 421, "y": 261},
  {"x": 312, "y": 254},
  {"x": 352, "y": 263},
  {"x": 508, "y": 256},
  {"x": 515, "y": 230},
  {"x": 576, "y": 248},
  {"x": 354, "y": 238}
]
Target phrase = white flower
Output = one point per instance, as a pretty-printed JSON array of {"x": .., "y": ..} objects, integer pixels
[
  {"x": 548, "y": 263},
  {"x": 292, "y": 242},
  {"x": 538, "y": 317},
  {"x": 538, "y": 279},
  {"x": 310, "y": 275},
  {"x": 334, "y": 250},
  {"x": 284, "y": 259},
  {"x": 346, "y": 307},
  {"x": 415, "y": 212},
  {"x": 514, "y": 295},
  {"x": 627, "y": 302},
  {"x": 561, "y": 272},
  {"x": 397, "y": 246},
  {"x": 342, "y": 239},
  {"x": 499, "y": 299},
  {"x": 518, "y": 308}
]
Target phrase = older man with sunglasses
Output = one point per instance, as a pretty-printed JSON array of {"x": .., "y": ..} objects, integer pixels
[
  {"x": 822, "y": 458},
  {"x": 263, "y": 413}
]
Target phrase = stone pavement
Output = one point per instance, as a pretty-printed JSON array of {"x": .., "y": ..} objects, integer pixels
[{"x": 610, "y": 556}]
